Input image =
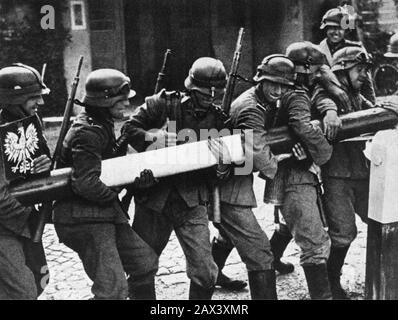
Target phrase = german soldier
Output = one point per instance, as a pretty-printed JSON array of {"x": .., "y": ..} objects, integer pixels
[
  {"x": 179, "y": 202},
  {"x": 92, "y": 222},
  {"x": 346, "y": 175},
  {"x": 23, "y": 264},
  {"x": 332, "y": 23},
  {"x": 301, "y": 204},
  {"x": 255, "y": 110}
]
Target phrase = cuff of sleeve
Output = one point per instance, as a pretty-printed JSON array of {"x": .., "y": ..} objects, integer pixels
[
  {"x": 270, "y": 169},
  {"x": 223, "y": 174}
]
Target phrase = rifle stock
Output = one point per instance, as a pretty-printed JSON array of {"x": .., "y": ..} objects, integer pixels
[
  {"x": 46, "y": 209},
  {"x": 67, "y": 114}
]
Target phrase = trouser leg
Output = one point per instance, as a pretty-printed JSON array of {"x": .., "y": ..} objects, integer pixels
[
  {"x": 17, "y": 281},
  {"x": 339, "y": 201},
  {"x": 37, "y": 263},
  {"x": 96, "y": 247},
  {"x": 194, "y": 237},
  {"x": 343, "y": 198},
  {"x": 242, "y": 227},
  {"x": 139, "y": 260},
  {"x": 153, "y": 229},
  {"x": 221, "y": 249},
  {"x": 302, "y": 216},
  {"x": 301, "y": 212}
]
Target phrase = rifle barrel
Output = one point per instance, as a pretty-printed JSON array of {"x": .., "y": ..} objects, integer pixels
[
  {"x": 162, "y": 73},
  {"x": 230, "y": 87}
]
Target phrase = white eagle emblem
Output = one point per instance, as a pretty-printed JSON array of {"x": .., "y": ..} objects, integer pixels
[{"x": 20, "y": 149}]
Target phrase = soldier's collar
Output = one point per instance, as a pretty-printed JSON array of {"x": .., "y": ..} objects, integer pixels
[{"x": 261, "y": 101}]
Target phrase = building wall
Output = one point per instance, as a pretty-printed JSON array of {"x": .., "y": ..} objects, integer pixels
[
  {"x": 194, "y": 28},
  {"x": 226, "y": 19},
  {"x": 79, "y": 45},
  {"x": 388, "y": 16}
]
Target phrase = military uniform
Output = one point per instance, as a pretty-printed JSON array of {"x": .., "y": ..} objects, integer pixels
[
  {"x": 300, "y": 206},
  {"x": 346, "y": 175},
  {"x": 249, "y": 111},
  {"x": 92, "y": 222},
  {"x": 334, "y": 18},
  {"x": 178, "y": 202},
  {"x": 23, "y": 267}
]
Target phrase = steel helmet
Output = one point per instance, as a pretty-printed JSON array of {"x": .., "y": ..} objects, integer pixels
[
  {"x": 392, "y": 49},
  {"x": 20, "y": 82},
  {"x": 105, "y": 87},
  {"x": 348, "y": 57},
  {"x": 276, "y": 68},
  {"x": 335, "y": 16},
  {"x": 304, "y": 55},
  {"x": 206, "y": 74}
]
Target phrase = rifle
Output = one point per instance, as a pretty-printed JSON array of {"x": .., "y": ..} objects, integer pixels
[
  {"x": 160, "y": 81},
  {"x": 46, "y": 209},
  {"x": 122, "y": 141},
  {"x": 226, "y": 106}
]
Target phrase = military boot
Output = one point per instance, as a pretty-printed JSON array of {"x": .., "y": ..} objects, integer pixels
[
  {"x": 279, "y": 241},
  {"x": 197, "y": 292},
  {"x": 262, "y": 285},
  {"x": 317, "y": 281},
  {"x": 334, "y": 266},
  {"x": 221, "y": 250},
  {"x": 142, "y": 292}
]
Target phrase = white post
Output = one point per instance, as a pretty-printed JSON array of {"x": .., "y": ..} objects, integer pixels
[{"x": 382, "y": 243}]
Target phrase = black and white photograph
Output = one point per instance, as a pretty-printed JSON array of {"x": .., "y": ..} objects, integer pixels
[{"x": 173, "y": 150}]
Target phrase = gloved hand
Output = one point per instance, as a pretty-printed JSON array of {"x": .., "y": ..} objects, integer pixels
[{"x": 146, "y": 180}]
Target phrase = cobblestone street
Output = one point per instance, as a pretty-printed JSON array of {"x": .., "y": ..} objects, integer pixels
[{"x": 69, "y": 281}]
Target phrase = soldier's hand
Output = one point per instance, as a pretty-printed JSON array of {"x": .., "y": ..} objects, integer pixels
[
  {"x": 220, "y": 151},
  {"x": 299, "y": 152},
  {"x": 331, "y": 123},
  {"x": 145, "y": 180},
  {"x": 41, "y": 164}
]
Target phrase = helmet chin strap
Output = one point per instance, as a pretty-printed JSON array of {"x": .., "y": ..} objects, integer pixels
[{"x": 349, "y": 82}]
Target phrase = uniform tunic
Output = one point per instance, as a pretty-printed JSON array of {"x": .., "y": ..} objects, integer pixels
[
  {"x": 23, "y": 266},
  {"x": 249, "y": 112},
  {"x": 300, "y": 208},
  {"x": 328, "y": 49},
  {"x": 179, "y": 202},
  {"x": 92, "y": 222},
  {"x": 346, "y": 177}
]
